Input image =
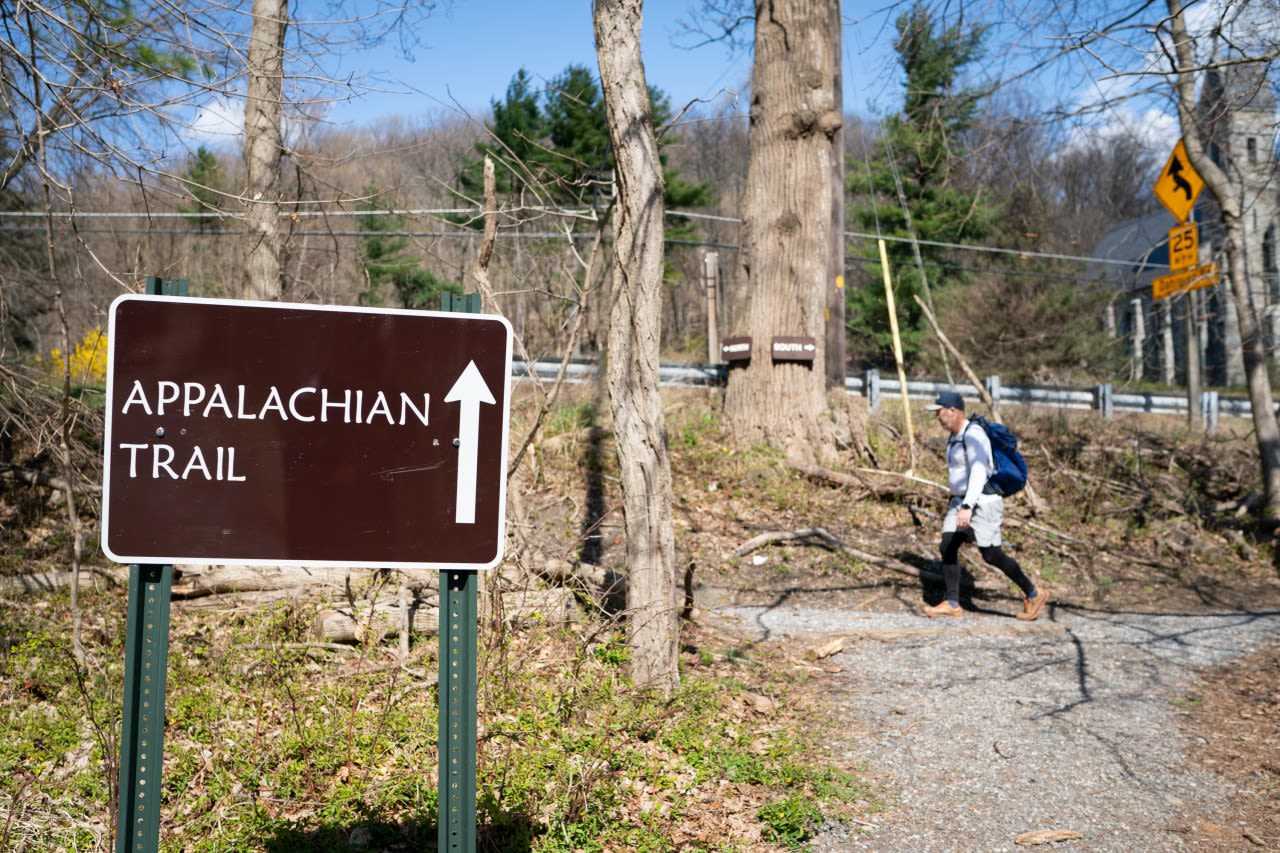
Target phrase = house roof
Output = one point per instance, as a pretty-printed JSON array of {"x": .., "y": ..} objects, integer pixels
[{"x": 1142, "y": 243}]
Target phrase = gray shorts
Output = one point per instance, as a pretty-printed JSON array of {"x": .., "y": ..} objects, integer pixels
[{"x": 987, "y": 516}]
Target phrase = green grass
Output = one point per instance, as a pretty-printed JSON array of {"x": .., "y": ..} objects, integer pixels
[{"x": 275, "y": 743}]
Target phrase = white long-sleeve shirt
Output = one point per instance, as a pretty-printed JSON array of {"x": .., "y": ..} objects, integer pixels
[{"x": 967, "y": 473}]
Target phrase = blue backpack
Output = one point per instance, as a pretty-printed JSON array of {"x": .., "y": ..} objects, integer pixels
[{"x": 1010, "y": 475}]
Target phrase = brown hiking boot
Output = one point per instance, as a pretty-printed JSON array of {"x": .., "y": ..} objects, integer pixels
[
  {"x": 1032, "y": 607},
  {"x": 942, "y": 608}
]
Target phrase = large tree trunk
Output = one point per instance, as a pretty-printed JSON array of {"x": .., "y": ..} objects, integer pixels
[
  {"x": 263, "y": 148},
  {"x": 1226, "y": 192},
  {"x": 786, "y": 228},
  {"x": 639, "y": 426},
  {"x": 837, "y": 351}
]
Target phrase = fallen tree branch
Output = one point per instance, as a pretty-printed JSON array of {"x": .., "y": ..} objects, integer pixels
[
  {"x": 1117, "y": 485},
  {"x": 1050, "y": 531},
  {"x": 964, "y": 365},
  {"x": 894, "y": 565},
  {"x": 39, "y": 478},
  {"x": 819, "y": 473},
  {"x": 826, "y": 650},
  {"x": 785, "y": 536},
  {"x": 198, "y": 581},
  {"x": 835, "y": 543},
  {"x": 912, "y": 477},
  {"x": 328, "y": 647},
  {"x": 1093, "y": 546},
  {"x": 47, "y": 581},
  {"x": 1047, "y": 836},
  {"x": 855, "y": 480}
]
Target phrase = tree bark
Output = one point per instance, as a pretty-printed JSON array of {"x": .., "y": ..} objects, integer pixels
[
  {"x": 1230, "y": 203},
  {"x": 635, "y": 401},
  {"x": 786, "y": 228},
  {"x": 837, "y": 351},
  {"x": 263, "y": 148}
]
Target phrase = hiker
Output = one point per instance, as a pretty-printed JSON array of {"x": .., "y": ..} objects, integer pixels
[{"x": 975, "y": 511}]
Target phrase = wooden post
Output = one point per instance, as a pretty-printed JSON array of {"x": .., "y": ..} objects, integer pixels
[
  {"x": 1138, "y": 339},
  {"x": 710, "y": 283},
  {"x": 1167, "y": 361},
  {"x": 1194, "y": 416}
]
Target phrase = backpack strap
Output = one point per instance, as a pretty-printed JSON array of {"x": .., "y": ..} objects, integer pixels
[{"x": 968, "y": 468}]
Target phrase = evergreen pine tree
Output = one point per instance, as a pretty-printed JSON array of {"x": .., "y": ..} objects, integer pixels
[
  {"x": 387, "y": 261},
  {"x": 914, "y": 175}
]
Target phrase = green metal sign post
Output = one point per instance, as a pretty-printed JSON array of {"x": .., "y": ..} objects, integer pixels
[
  {"x": 457, "y": 775},
  {"x": 142, "y": 733},
  {"x": 456, "y": 778},
  {"x": 146, "y": 661}
]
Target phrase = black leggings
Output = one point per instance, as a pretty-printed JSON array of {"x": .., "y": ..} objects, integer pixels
[{"x": 991, "y": 555}]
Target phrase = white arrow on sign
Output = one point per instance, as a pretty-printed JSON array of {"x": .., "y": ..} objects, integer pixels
[{"x": 471, "y": 391}]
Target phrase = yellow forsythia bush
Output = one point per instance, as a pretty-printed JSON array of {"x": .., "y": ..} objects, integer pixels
[{"x": 88, "y": 359}]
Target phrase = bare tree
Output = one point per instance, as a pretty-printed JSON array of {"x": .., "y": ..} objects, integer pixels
[
  {"x": 66, "y": 422},
  {"x": 786, "y": 228},
  {"x": 1228, "y": 193},
  {"x": 1233, "y": 38},
  {"x": 1134, "y": 58},
  {"x": 263, "y": 149},
  {"x": 639, "y": 427},
  {"x": 112, "y": 68}
]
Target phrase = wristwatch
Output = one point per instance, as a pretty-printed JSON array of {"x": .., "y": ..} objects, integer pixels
[{"x": 965, "y": 506}]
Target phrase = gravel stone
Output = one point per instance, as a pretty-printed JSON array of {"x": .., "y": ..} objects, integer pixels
[{"x": 979, "y": 729}]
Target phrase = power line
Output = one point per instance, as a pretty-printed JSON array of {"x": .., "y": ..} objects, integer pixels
[
  {"x": 507, "y": 235},
  {"x": 477, "y": 213},
  {"x": 1006, "y": 272},
  {"x": 212, "y": 213},
  {"x": 1021, "y": 253}
]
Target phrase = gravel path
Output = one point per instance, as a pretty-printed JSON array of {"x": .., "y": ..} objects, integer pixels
[{"x": 985, "y": 728}]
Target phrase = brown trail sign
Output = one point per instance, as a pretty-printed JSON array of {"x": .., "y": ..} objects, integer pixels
[{"x": 258, "y": 432}]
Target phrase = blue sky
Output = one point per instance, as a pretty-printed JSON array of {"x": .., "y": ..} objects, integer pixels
[
  {"x": 472, "y": 48},
  {"x": 469, "y": 50}
]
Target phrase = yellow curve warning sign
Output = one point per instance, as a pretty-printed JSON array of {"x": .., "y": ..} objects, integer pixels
[{"x": 1178, "y": 184}]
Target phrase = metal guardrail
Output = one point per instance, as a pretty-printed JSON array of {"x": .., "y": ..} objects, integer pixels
[
  {"x": 580, "y": 371},
  {"x": 1101, "y": 398}
]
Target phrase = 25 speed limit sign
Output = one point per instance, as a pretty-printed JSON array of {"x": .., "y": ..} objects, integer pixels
[{"x": 1184, "y": 247}]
